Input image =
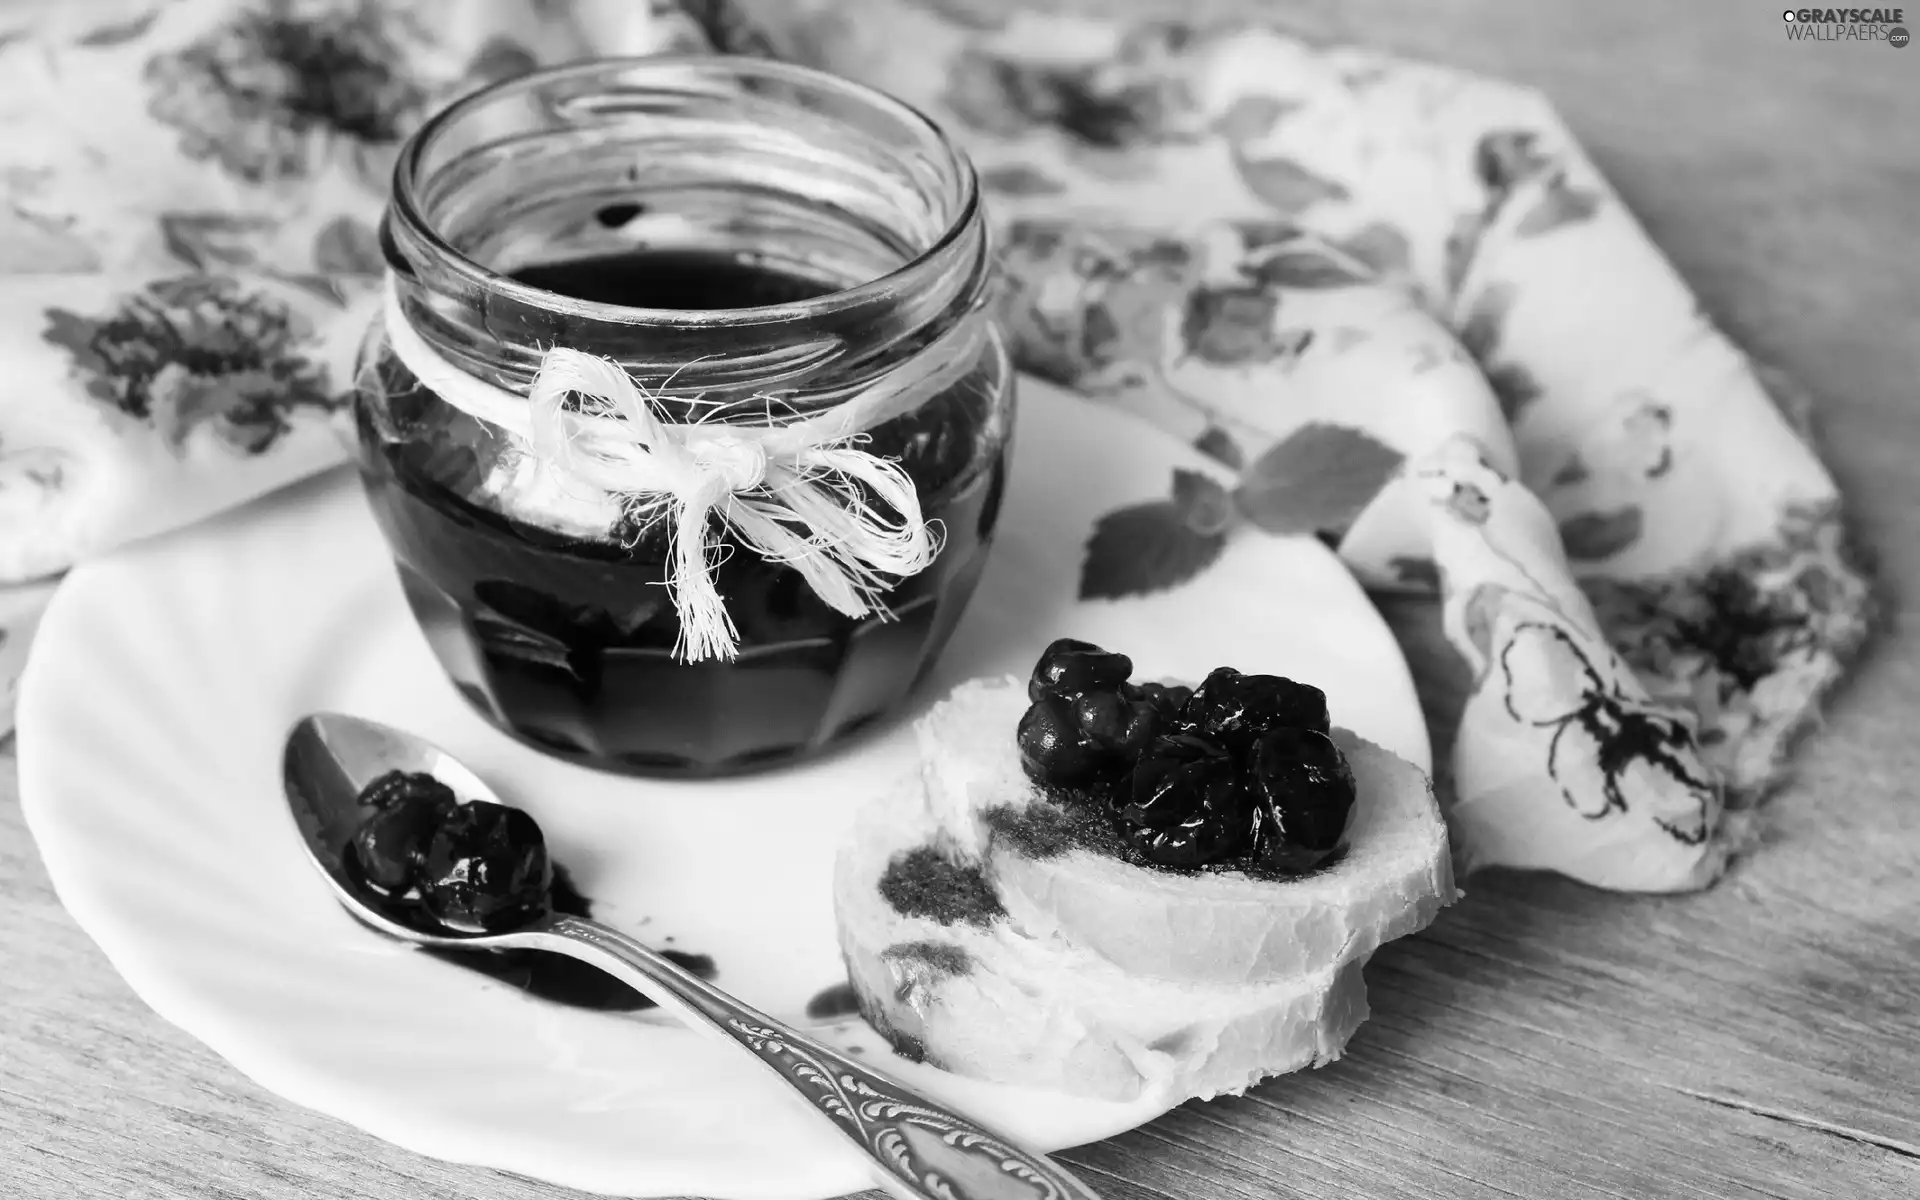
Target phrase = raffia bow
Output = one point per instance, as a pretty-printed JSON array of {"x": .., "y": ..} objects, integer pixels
[
  {"x": 800, "y": 493},
  {"x": 792, "y": 494}
]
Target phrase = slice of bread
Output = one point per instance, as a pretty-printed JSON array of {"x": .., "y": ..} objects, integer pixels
[
  {"x": 956, "y": 983},
  {"x": 1221, "y": 927}
]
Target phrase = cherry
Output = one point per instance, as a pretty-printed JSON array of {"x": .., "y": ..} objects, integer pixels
[
  {"x": 1238, "y": 710},
  {"x": 1306, "y": 794},
  {"x": 1186, "y": 804},
  {"x": 1055, "y": 751},
  {"x": 391, "y": 843},
  {"x": 1167, "y": 700},
  {"x": 486, "y": 868},
  {"x": 1070, "y": 669}
]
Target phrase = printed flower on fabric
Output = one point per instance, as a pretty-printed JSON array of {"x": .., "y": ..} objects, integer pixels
[
  {"x": 1131, "y": 98},
  {"x": 280, "y": 86},
  {"x": 1563, "y": 762},
  {"x": 1089, "y": 306},
  {"x": 194, "y": 351},
  {"x": 1607, "y": 751}
]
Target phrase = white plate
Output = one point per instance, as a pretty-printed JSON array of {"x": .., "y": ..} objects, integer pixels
[{"x": 164, "y": 679}]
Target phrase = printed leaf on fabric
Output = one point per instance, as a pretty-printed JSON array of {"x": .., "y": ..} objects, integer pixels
[
  {"x": 1252, "y": 117},
  {"x": 346, "y": 246},
  {"x": 1158, "y": 545},
  {"x": 1381, "y": 247},
  {"x": 1285, "y": 184},
  {"x": 1463, "y": 242},
  {"x": 501, "y": 58},
  {"x": 1260, "y": 233},
  {"x": 210, "y": 240},
  {"x": 1305, "y": 268},
  {"x": 1316, "y": 481},
  {"x": 119, "y": 33},
  {"x": 1479, "y": 612}
]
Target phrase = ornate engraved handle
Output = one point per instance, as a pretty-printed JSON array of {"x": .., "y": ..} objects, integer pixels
[{"x": 922, "y": 1150}]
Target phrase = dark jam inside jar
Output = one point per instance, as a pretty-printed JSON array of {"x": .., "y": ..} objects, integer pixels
[
  {"x": 559, "y": 627},
  {"x": 670, "y": 278}
]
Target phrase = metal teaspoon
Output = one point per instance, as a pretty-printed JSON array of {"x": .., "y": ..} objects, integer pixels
[{"x": 919, "y": 1149}]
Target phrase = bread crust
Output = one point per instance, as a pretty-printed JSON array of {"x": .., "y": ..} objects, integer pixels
[
  {"x": 1393, "y": 878},
  {"x": 992, "y": 1001}
]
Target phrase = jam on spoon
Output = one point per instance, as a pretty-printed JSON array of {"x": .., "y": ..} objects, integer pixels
[
  {"x": 477, "y": 867},
  {"x": 483, "y": 867},
  {"x": 326, "y": 757}
]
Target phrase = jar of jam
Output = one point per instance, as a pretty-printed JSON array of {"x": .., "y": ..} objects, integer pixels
[{"x": 754, "y": 244}]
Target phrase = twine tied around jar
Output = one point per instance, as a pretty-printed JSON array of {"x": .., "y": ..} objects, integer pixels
[{"x": 799, "y": 492}]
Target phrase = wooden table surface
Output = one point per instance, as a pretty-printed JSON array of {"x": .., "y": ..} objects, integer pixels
[{"x": 1542, "y": 1039}]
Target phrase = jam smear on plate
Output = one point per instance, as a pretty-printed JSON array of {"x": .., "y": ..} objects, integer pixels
[
  {"x": 561, "y": 631},
  {"x": 834, "y": 1003}
]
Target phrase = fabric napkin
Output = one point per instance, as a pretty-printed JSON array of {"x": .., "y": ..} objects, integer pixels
[
  {"x": 188, "y": 196},
  {"x": 1395, "y": 299}
]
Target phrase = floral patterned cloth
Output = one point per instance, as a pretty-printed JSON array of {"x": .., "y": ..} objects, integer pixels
[
  {"x": 188, "y": 196},
  {"x": 1400, "y": 302},
  {"x": 1395, "y": 300}
]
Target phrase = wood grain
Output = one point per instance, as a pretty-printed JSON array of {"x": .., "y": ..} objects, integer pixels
[{"x": 1542, "y": 1039}]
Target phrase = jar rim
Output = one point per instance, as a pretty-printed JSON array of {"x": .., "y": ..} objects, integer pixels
[{"x": 408, "y": 170}]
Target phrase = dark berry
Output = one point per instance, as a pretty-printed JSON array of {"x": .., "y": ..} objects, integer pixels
[
  {"x": 1186, "y": 805},
  {"x": 1166, "y": 699},
  {"x": 1102, "y": 716},
  {"x": 1144, "y": 723},
  {"x": 391, "y": 845},
  {"x": 1198, "y": 841},
  {"x": 1306, "y": 792},
  {"x": 397, "y": 786},
  {"x": 1071, "y": 669},
  {"x": 1119, "y": 725},
  {"x": 1055, "y": 751},
  {"x": 486, "y": 868},
  {"x": 1238, "y": 710},
  {"x": 1161, "y": 788}
]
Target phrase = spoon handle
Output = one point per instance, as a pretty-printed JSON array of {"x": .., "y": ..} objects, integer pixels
[{"x": 923, "y": 1150}]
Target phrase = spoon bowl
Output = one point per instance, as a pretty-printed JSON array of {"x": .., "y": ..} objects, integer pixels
[
  {"x": 329, "y": 760},
  {"x": 917, "y": 1149}
]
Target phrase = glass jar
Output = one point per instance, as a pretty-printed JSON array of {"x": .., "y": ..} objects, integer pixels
[{"x": 751, "y": 241}]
